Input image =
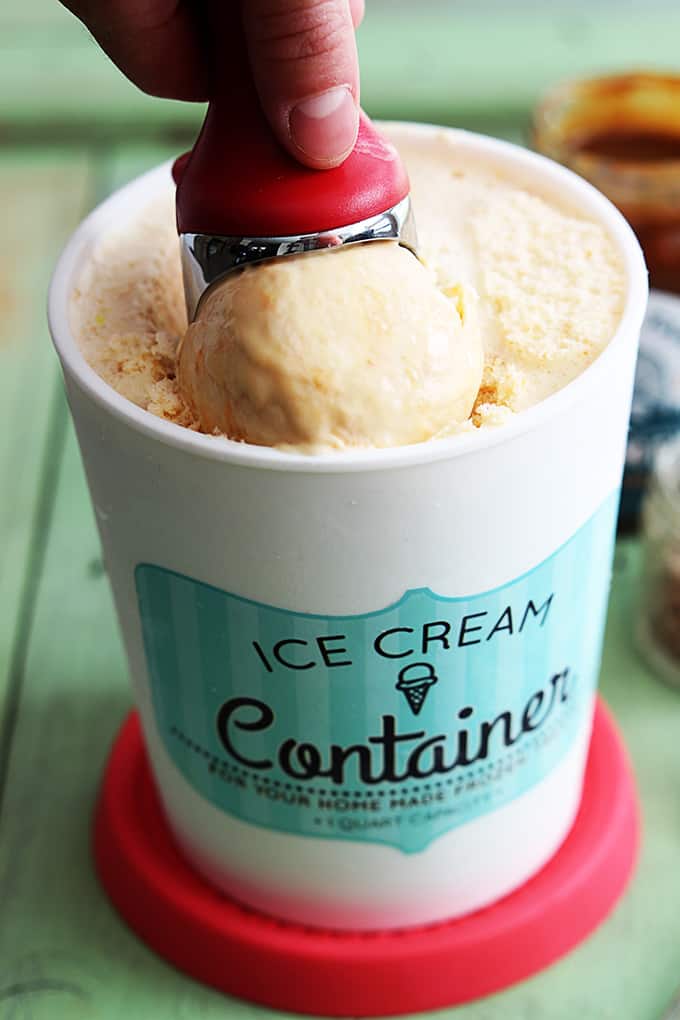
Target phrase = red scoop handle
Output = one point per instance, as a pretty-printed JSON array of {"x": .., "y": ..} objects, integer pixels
[{"x": 238, "y": 181}]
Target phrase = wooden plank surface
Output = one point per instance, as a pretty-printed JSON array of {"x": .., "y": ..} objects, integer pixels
[
  {"x": 64, "y": 955},
  {"x": 43, "y": 195},
  {"x": 63, "y": 952},
  {"x": 445, "y": 62}
]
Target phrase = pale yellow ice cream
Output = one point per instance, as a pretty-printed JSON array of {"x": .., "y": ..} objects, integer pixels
[
  {"x": 543, "y": 282},
  {"x": 355, "y": 347},
  {"x": 128, "y": 311}
]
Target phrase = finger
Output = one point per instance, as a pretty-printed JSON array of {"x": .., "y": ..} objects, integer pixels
[
  {"x": 357, "y": 10},
  {"x": 304, "y": 61},
  {"x": 154, "y": 42}
]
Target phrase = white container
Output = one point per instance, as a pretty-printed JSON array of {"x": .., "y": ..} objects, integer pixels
[{"x": 458, "y": 588}]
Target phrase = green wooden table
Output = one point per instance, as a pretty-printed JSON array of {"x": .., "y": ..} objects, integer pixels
[{"x": 71, "y": 129}]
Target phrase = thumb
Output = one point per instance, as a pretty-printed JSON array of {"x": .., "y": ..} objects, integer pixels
[{"x": 304, "y": 61}]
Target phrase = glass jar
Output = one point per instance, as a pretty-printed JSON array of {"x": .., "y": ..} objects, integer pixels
[
  {"x": 658, "y": 621},
  {"x": 622, "y": 133}
]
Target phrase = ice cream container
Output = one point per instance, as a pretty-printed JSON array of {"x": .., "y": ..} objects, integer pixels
[{"x": 366, "y": 679}]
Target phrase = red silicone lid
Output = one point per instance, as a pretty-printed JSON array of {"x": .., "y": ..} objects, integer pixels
[
  {"x": 302, "y": 970},
  {"x": 239, "y": 181}
]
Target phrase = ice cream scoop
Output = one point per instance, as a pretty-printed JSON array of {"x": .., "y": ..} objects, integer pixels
[
  {"x": 320, "y": 340},
  {"x": 339, "y": 350},
  {"x": 241, "y": 198}
]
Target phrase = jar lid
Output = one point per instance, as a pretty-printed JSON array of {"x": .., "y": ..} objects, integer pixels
[{"x": 302, "y": 970}]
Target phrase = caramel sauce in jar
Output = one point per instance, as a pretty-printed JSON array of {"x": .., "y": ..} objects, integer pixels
[
  {"x": 622, "y": 133},
  {"x": 631, "y": 146}
]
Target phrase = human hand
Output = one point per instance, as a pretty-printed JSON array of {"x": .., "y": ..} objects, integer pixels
[{"x": 302, "y": 54}]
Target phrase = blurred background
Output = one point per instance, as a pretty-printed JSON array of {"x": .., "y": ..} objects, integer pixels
[{"x": 470, "y": 62}]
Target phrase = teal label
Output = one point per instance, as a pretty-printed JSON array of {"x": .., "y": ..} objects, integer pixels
[{"x": 387, "y": 727}]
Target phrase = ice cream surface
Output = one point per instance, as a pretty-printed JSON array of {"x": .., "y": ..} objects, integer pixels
[{"x": 531, "y": 281}]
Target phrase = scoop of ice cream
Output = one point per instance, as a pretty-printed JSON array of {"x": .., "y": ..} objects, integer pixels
[{"x": 351, "y": 348}]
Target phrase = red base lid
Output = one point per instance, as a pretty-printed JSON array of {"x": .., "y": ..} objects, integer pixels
[{"x": 251, "y": 956}]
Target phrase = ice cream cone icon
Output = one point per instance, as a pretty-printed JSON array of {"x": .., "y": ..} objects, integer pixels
[{"x": 415, "y": 688}]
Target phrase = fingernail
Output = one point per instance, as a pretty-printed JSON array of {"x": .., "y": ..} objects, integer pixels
[{"x": 324, "y": 127}]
